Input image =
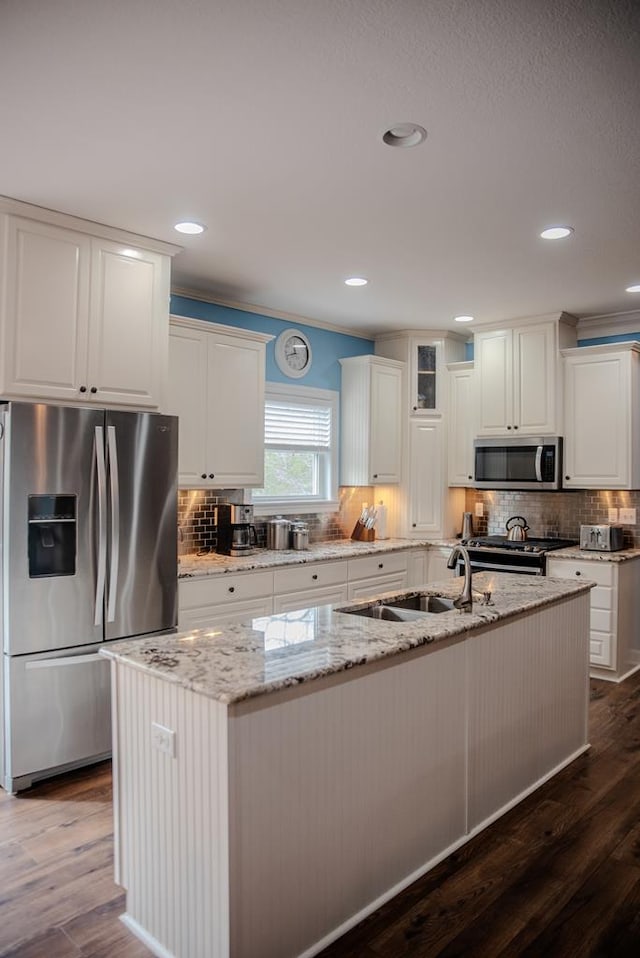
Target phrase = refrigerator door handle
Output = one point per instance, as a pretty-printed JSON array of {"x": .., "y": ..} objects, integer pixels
[
  {"x": 101, "y": 469},
  {"x": 112, "y": 446}
]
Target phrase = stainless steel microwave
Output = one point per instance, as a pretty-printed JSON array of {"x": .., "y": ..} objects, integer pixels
[{"x": 518, "y": 463}]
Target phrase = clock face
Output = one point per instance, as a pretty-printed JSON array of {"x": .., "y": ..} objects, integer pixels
[{"x": 293, "y": 353}]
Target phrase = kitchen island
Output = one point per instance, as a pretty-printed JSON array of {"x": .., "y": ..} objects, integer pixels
[{"x": 274, "y": 782}]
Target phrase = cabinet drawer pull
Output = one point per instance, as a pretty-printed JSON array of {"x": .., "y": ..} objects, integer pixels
[
  {"x": 375, "y": 475},
  {"x": 232, "y": 588},
  {"x": 381, "y": 565},
  {"x": 578, "y": 573},
  {"x": 413, "y": 524},
  {"x": 315, "y": 575}
]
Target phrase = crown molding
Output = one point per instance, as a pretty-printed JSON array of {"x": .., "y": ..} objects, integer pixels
[
  {"x": 611, "y": 324},
  {"x": 271, "y": 313},
  {"x": 43, "y": 215}
]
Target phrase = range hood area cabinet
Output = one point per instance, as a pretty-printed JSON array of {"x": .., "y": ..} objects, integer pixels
[
  {"x": 602, "y": 417},
  {"x": 216, "y": 387},
  {"x": 519, "y": 375},
  {"x": 371, "y": 423},
  {"x": 83, "y": 310}
]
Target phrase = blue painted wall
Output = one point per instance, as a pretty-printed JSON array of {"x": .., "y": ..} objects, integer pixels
[{"x": 327, "y": 347}]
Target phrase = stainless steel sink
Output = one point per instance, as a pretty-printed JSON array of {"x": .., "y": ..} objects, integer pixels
[
  {"x": 424, "y": 603},
  {"x": 407, "y": 609}
]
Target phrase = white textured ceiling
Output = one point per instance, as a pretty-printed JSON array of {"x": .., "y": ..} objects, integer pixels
[{"x": 263, "y": 119}]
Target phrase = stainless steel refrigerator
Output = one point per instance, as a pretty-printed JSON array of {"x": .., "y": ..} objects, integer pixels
[{"x": 88, "y": 554}]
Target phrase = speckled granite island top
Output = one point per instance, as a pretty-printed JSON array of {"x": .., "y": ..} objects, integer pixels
[
  {"x": 233, "y": 662},
  {"x": 213, "y": 564}
]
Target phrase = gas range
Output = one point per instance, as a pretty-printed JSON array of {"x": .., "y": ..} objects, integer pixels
[{"x": 502, "y": 555}]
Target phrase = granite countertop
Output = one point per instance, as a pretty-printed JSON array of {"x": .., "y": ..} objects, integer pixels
[
  {"x": 234, "y": 662},
  {"x": 573, "y": 552},
  {"x": 213, "y": 564}
]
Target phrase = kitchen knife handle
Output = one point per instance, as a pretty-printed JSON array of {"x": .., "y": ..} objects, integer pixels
[
  {"x": 101, "y": 473},
  {"x": 112, "y": 446}
]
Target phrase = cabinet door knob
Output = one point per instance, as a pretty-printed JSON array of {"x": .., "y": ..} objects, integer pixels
[
  {"x": 508, "y": 427},
  {"x": 212, "y": 475},
  {"x": 567, "y": 477},
  {"x": 415, "y": 408},
  {"x": 515, "y": 427},
  {"x": 232, "y": 588},
  {"x": 315, "y": 575},
  {"x": 203, "y": 475},
  {"x": 375, "y": 475},
  {"x": 83, "y": 389},
  {"x": 469, "y": 477},
  {"x": 578, "y": 573},
  {"x": 94, "y": 389},
  {"x": 381, "y": 565},
  {"x": 413, "y": 524}
]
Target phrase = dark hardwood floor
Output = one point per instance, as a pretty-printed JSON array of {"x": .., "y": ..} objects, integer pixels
[{"x": 558, "y": 876}]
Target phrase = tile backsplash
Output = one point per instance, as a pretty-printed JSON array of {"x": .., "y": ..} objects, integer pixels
[
  {"x": 197, "y": 531},
  {"x": 553, "y": 513}
]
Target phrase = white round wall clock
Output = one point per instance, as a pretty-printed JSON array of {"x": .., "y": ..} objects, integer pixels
[{"x": 293, "y": 353}]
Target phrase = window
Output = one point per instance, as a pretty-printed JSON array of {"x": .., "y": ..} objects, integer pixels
[{"x": 300, "y": 458}]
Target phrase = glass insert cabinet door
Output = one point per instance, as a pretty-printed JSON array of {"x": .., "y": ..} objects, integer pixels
[{"x": 425, "y": 385}]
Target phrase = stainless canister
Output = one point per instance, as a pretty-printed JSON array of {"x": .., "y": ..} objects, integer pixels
[
  {"x": 299, "y": 536},
  {"x": 278, "y": 533}
]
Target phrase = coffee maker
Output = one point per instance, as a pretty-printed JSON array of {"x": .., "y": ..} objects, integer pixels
[{"x": 236, "y": 531}]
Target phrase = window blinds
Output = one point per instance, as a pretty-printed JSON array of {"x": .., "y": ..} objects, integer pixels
[{"x": 297, "y": 426}]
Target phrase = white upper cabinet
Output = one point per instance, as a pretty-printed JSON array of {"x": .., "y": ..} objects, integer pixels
[
  {"x": 128, "y": 324},
  {"x": 519, "y": 382},
  {"x": 461, "y": 419},
  {"x": 426, "y": 354},
  {"x": 371, "y": 423},
  {"x": 216, "y": 387},
  {"x": 426, "y": 477},
  {"x": 84, "y": 318},
  {"x": 602, "y": 417}
]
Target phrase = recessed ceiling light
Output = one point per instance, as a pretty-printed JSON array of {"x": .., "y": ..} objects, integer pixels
[
  {"x": 188, "y": 227},
  {"x": 463, "y": 319},
  {"x": 634, "y": 289},
  {"x": 557, "y": 232},
  {"x": 356, "y": 281},
  {"x": 404, "y": 134}
]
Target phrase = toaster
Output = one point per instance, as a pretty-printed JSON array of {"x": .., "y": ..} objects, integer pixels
[{"x": 601, "y": 538}]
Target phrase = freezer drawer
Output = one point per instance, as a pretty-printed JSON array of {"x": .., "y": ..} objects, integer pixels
[{"x": 57, "y": 713}]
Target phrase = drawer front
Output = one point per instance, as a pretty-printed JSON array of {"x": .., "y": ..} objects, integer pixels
[
  {"x": 602, "y": 597},
  {"x": 602, "y": 620},
  {"x": 328, "y": 595},
  {"x": 211, "y": 616},
  {"x": 601, "y": 650},
  {"x": 600, "y": 572},
  {"x": 383, "y": 564},
  {"x": 214, "y": 589},
  {"x": 313, "y": 575},
  {"x": 374, "y": 587}
]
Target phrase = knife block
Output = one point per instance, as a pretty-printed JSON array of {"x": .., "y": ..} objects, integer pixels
[{"x": 362, "y": 534}]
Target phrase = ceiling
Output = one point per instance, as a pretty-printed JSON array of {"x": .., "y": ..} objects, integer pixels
[{"x": 263, "y": 119}]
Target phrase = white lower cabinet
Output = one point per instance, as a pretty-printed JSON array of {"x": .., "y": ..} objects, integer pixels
[
  {"x": 209, "y": 600},
  {"x": 206, "y": 601},
  {"x": 438, "y": 570},
  {"x": 314, "y": 583},
  {"x": 615, "y": 612}
]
